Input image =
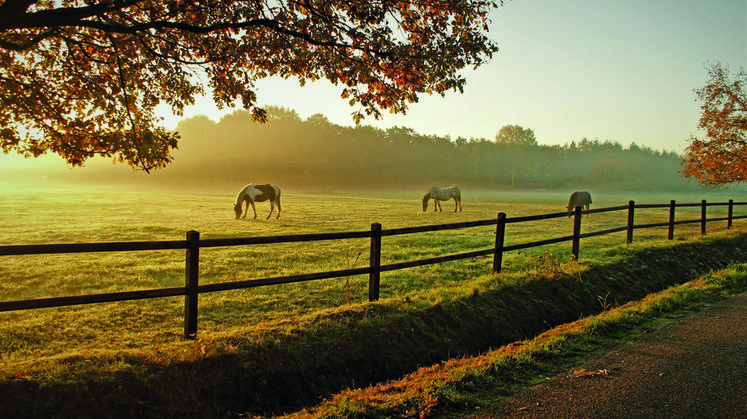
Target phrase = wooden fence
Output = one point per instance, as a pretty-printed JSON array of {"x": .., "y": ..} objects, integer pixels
[{"x": 193, "y": 244}]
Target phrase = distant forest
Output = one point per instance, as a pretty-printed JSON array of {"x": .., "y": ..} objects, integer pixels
[{"x": 315, "y": 154}]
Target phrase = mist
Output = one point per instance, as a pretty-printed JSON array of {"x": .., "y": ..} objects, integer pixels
[{"x": 317, "y": 155}]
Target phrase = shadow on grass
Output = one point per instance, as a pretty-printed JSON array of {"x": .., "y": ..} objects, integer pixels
[{"x": 360, "y": 345}]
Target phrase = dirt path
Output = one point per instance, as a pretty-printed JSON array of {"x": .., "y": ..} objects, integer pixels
[{"x": 693, "y": 368}]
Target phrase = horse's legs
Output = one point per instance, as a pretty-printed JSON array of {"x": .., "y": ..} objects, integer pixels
[
  {"x": 253, "y": 209},
  {"x": 272, "y": 208},
  {"x": 457, "y": 205},
  {"x": 279, "y": 209},
  {"x": 437, "y": 206},
  {"x": 246, "y": 209}
]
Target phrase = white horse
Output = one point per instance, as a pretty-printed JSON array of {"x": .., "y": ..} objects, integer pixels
[
  {"x": 443, "y": 194},
  {"x": 252, "y": 193},
  {"x": 579, "y": 199}
]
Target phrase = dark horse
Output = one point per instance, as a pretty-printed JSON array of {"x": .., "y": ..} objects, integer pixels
[
  {"x": 443, "y": 194},
  {"x": 252, "y": 193}
]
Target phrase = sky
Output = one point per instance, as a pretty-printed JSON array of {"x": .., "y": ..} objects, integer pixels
[{"x": 612, "y": 70}]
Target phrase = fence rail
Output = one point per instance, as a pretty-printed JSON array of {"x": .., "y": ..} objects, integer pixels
[{"x": 193, "y": 244}]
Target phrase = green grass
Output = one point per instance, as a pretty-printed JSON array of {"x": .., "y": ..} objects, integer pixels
[
  {"x": 60, "y": 345},
  {"x": 76, "y": 215},
  {"x": 457, "y": 387}
]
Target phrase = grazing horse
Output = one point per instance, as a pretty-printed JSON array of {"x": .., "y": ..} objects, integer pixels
[
  {"x": 252, "y": 193},
  {"x": 579, "y": 199},
  {"x": 443, "y": 194}
]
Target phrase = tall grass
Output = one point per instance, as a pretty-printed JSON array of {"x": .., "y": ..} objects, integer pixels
[{"x": 49, "y": 339}]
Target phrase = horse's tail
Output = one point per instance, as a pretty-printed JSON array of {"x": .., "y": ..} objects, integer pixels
[{"x": 457, "y": 198}]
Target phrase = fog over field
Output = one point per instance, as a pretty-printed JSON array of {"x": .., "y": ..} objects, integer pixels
[{"x": 316, "y": 155}]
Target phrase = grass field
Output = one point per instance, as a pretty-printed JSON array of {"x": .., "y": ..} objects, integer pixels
[{"x": 47, "y": 342}]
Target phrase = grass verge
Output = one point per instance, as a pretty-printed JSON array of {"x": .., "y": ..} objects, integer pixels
[{"x": 453, "y": 387}]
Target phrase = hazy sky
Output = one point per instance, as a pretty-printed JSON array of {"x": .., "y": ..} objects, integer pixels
[{"x": 607, "y": 69}]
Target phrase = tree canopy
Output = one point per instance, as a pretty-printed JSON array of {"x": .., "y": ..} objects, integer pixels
[
  {"x": 83, "y": 77},
  {"x": 721, "y": 157},
  {"x": 515, "y": 135}
]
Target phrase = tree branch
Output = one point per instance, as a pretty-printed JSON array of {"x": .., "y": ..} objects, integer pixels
[
  {"x": 16, "y": 16},
  {"x": 15, "y": 7},
  {"x": 79, "y": 17},
  {"x": 28, "y": 43}
]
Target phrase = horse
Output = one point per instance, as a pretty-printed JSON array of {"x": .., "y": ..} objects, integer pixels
[
  {"x": 443, "y": 194},
  {"x": 252, "y": 193},
  {"x": 579, "y": 199}
]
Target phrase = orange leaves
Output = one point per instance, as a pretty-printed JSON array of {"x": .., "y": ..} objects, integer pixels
[
  {"x": 721, "y": 157},
  {"x": 112, "y": 69}
]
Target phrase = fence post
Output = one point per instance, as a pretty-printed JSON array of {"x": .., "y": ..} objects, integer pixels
[
  {"x": 672, "y": 206},
  {"x": 730, "y": 213},
  {"x": 191, "y": 278},
  {"x": 631, "y": 217},
  {"x": 500, "y": 234},
  {"x": 576, "y": 232},
  {"x": 374, "y": 277},
  {"x": 703, "y": 217}
]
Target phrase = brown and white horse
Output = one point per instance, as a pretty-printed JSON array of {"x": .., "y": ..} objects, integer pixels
[
  {"x": 252, "y": 193},
  {"x": 443, "y": 194}
]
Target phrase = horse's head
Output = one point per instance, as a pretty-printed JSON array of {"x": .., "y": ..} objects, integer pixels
[
  {"x": 425, "y": 202},
  {"x": 237, "y": 210}
]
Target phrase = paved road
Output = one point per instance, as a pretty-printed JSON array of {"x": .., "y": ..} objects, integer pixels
[{"x": 693, "y": 368}]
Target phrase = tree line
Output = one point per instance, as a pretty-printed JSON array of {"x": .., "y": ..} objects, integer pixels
[{"x": 316, "y": 154}]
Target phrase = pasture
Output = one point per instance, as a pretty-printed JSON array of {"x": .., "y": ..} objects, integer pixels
[{"x": 50, "y": 341}]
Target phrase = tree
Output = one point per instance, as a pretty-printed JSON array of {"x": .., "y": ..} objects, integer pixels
[
  {"x": 83, "y": 77},
  {"x": 721, "y": 157},
  {"x": 517, "y": 142},
  {"x": 516, "y": 135}
]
